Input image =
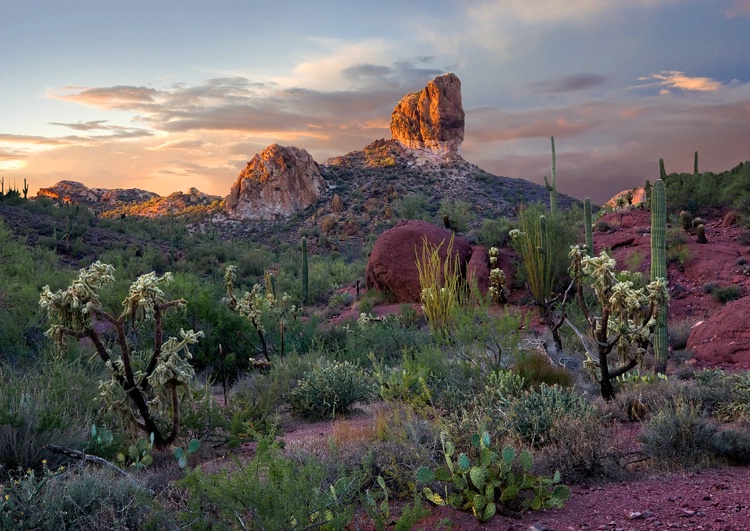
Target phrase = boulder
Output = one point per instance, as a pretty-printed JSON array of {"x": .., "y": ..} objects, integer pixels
[
  {"x": 432, "y": 119},
  {"x": 392, "y": 266},
  {"x": 723, "y": 340},
  {"x": 276, "y": 183}
]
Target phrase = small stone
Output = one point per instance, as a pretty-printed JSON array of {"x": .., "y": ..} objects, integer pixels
[
  {"x": 634, "y": 515},
  {"x": 687, "y": 513}
]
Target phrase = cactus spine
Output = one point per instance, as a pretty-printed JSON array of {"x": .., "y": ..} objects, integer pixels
[
  {"x": 305, "y": 279},
  {"x": 552, "y": 188},
  {"x": 588, "y": 227},
  {"x": 659, "y": 268}
]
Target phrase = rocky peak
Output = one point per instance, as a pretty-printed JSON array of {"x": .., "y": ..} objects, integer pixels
[
  {"x": 432, "y": 119},
  {"x": 276, "y": 183}
]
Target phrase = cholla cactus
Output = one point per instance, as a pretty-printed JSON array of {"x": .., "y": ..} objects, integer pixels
[
  {"x": 627, "y": 315},
  {"x": 145, "y": 384},
  {"x": 256, "y": 305},
  {"x": 497, "y": 279}
]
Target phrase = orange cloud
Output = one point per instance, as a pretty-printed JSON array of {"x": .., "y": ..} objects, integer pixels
[{"x": 669, "y": 79}]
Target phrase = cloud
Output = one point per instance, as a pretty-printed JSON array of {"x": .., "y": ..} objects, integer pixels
[
  {"x": 117, "y": 97},
  {"x": 741, "y": 8},
  {"x": 673, "y": 79},
  {"x": 569, "y": 83},
  {"x": 10, "y": 155},
  {"x": 34, "y": 139},
  {"x": 178, "y": 144}
]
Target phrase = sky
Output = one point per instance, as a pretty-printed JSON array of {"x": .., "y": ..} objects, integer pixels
[{"x": 165, "y": 95}]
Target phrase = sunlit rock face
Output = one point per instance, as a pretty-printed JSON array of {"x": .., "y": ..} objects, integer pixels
[
  {"x": 432, "y": 119},
  {"x": 276, "y": 183},
  {"x": 75, "y": 192}
]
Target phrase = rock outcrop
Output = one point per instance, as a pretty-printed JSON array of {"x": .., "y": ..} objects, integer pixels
[
  {"x": 75, "y": 192},
  {"x": 723, "y": 340},
  {"x": 276, "y": 183},
  {"x": 130, "y": 201},
  {"x": 432, "y": 119},
  {"x": 392, "y": 265}
]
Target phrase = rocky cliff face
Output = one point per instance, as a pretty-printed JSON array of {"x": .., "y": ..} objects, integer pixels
[
  {"x": 276, "y": 183},
  {"x": 432, "y": 119}
]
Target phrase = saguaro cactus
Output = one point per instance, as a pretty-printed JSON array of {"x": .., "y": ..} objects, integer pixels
[
  {"x": 305, "y": 278},
  {"x": 659, "y": 268},
  {"x": 588, "y": 227},
  {"x": 552, "y": 187},
  {"x": 695, "y": 164}
]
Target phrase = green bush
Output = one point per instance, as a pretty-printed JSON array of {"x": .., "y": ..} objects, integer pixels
[
  {"x": 88, "y": 499},
  {"x": 270, "y": 492},
  {"x": 726, "y": 294},
  {"x": 55, "y": 404},
  {"x": 330, "y": 389},
  {"x": 534, "y": 414},
  {"x": 680, "y": 435},
  {"x": 536, "y": 369}
]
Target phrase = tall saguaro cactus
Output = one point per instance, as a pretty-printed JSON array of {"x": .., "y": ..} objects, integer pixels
[
  {"x": 552, "y": 187},
  {"x": 659, "y": 268},
  {"x": 588, "y": 227},
  {"x": 305, "y": 278},
  {"x": 695, "y": 164}
]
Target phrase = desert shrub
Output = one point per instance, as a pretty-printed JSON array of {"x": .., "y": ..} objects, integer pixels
[
  {"x": 255, "y": 399},
  {"x": 726, "y": 294},
  {"x": 487, "y": 341},
  {"x": 340, "y": 300},
  {"x": 405, "y": 442},
  {"x": 536, "y": 369},
  {"x": 580, "y": 448},
  {"x": 386, "y": 338},
  {"x": 411, "y": 206},
  {"x": 270, "y": 492},
  {"x": 679, "y": 434},
  {"x": 494, "y": 232},
  {"x": 87, "y": 499},
  {"x": 459, "y": 213},
  {"x": 679, "y": 333},
  {"x": 53, "y": 404},
  {"x": 710, "y": 287},
  {"x": 737, "y": 406},
  {"x": 330, "y": 389},
  {"x": 535, "y": 413}
]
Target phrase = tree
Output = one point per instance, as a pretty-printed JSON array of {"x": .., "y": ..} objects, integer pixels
[
  {"x": 145, "y": 383},
  {"x": 627, "y": 315}
]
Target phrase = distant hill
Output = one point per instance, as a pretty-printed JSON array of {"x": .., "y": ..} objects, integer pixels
[{"x": 131, "y": 201}]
